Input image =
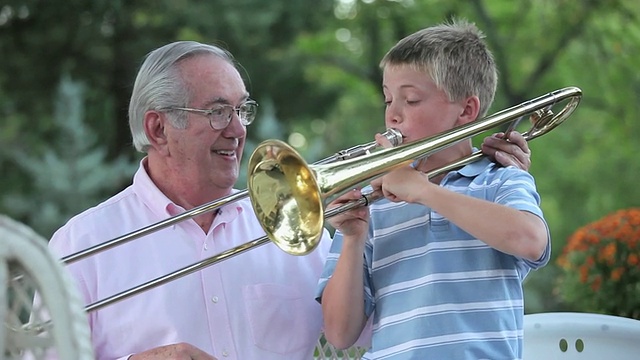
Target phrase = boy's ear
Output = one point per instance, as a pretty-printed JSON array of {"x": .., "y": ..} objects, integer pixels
[{"x": 470, "y": 110}]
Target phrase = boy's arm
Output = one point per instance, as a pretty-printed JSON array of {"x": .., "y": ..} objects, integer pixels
[
  {"x": 343, "y": 297},
  {"x": 512, "y": 231}
]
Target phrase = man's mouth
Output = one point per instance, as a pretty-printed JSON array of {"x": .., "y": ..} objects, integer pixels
[{"x": 225, "y": 152}]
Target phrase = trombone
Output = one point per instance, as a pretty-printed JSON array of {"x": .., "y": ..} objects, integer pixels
[
  {"x": 394, "y": 136},
  {"x": 289, "y": 196}
]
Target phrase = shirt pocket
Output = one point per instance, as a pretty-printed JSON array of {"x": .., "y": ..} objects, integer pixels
[{"x": 282, "y": 320}]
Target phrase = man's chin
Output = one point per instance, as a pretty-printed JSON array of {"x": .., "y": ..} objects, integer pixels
[{"x": 227, "y": 183}]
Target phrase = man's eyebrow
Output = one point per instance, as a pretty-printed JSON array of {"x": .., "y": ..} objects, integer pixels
[
  {"x": 217, "y": 101},
  {"x": 223, "y": 101},
  {"x": 403, "y": 86}
]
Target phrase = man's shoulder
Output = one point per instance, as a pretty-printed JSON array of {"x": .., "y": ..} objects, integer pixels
[{"x": 99, "y": 219}]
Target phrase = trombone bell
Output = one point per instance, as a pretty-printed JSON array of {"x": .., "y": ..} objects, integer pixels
[{"x": 286, "y": 197}]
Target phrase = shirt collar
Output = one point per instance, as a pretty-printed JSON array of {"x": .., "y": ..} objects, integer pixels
[
  {"x": 147, "y": 190},
  {"x": 470, "y": 170},
  {"x": 475, "y": 168}
]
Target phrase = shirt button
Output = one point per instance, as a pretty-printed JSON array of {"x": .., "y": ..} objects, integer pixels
[
  {"x": 206, "y": 247},
  {"x": 225, "y": 353},
  {"x": 214, "y": 299}
]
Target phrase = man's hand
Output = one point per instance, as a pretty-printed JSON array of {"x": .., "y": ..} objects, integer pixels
[
  {"x": 514, "y": 152},
  {"x": 180, "y": 351}
]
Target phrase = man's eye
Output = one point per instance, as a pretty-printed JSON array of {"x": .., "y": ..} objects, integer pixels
[{"x": 217, "y": 111}]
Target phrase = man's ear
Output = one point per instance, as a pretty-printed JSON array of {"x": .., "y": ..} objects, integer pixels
[
  {"x": 154, "y": 126},
  {"x": 470, "y": 110}
]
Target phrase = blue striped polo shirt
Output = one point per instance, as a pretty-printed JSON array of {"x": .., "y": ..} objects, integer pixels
[{"x": 437, "y": 292}]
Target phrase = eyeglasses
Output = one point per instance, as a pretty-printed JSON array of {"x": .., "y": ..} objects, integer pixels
[{"x": 220, "y": 115}]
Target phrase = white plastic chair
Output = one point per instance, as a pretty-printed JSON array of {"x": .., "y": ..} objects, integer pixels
[
  {"x": 27, "y": 267},
  {"x": 580, "y": 336}
]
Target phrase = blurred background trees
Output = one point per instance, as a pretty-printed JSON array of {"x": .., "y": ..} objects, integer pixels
[{"x": 313, "y": 67}]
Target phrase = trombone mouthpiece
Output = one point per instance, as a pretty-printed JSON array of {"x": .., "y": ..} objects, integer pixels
[{"x": 394, "y": 136}]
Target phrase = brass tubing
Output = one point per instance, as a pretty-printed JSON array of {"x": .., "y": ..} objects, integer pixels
[{"x": 289, "y": 196}]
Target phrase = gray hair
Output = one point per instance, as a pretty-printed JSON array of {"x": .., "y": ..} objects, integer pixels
[
  {"x": 159, "y": 85},
  {"x": 455, "y": 56}
]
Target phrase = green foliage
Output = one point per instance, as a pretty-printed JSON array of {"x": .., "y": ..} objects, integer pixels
[{"x": 72, "y": 174}]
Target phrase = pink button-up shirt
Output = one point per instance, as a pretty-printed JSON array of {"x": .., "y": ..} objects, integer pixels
[{"x": 256, "y": 305}]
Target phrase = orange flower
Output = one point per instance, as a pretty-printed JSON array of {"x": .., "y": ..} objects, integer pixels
[
  {"x": 632, "y": 260},
  {"x": 589, "y": 261},
  {"x": 584, "y": 274},
  {"x": 600, "y": 259},
  {"x": 608, "y": 253},
  {"x": 616, "y": 274}
]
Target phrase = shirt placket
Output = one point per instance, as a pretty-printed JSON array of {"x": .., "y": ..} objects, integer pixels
[{"x": 217, "y": 305}]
